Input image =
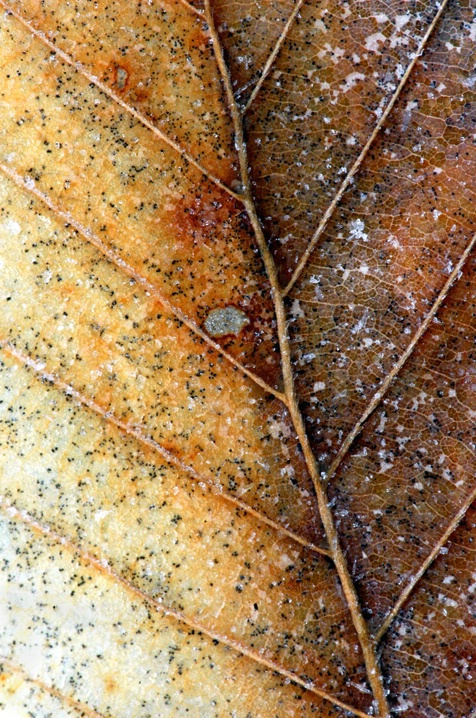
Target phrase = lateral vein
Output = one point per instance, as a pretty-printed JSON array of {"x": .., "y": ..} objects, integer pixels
[
  {"x": 418, "y": 575},
  {"x": 83, "y": 708},
  {"x": 131, "y": 272},
  {"x": 356, "y": 165},
  {"x": 159, "y": 606},
  {"x": 378, "y": 396},
  {"x": 273, "y": 55},
  {"x": 137, "y": 433},
  {"x": 80, "y": 68}
]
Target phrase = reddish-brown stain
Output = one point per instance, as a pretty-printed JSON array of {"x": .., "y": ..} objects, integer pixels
[{"x": 212, "y": 234}]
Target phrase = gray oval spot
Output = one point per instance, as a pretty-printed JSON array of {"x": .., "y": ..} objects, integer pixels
[
  {"x": 121, "y": 77},
  {"x": 227, "y": 320}
]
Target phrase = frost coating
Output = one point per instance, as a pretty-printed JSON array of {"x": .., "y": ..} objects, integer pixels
[{"x": 226, "y": 320}]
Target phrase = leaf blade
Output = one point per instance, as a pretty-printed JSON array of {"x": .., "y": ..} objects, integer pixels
[
  {"x": 337, "y": 72},
  {"x": 158, "y": 641},
  {"x": 113, "y": 329}
]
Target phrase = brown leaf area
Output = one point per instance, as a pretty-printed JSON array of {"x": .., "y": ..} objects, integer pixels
[{"x": 237, "y": 357}]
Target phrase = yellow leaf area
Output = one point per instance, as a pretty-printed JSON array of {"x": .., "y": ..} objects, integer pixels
[{"x": 237, "y": 346}]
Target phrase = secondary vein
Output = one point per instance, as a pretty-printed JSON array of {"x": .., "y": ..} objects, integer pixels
[
  {"x": 356, "y": 165},
  {"x": 378, "y": 396},
  {"x": 418, "y": 575},
  {"x": 273, "y": 54},
  {"x": 130, "y": 271},
  {"x": 79, "y": 67},
  {"x": 146, "y": 440},
  {"x": 158, "y": 605},
  {"x": 83, "y": 709}
]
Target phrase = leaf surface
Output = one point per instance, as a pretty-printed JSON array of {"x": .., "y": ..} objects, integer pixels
[{"x": 237, "y": 358}]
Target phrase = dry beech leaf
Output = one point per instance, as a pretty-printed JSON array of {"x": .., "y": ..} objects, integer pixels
[{"x": 237, "y": 352}]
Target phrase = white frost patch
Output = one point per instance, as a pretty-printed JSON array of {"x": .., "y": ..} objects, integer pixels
[
  {"x": 402, "y": 20},
  {"x": 381, "y": 427},
  {"x": 436, "y": 214},
  {"x": 279, "y": 429},
  {"x": 403, "y": 704},
  {"x": 372, "y": 42},
  {"x": 11, "y": 227},
  {"x": 287, "y": 471},
  {"x": 351, "y": 80},
  {"x": 399, "y": 71},
  {"x": 47, "y": 276},
  {"x": 101, "y": 514},
  {"x": 360, "y": 324},
  {"x": 284, "y": 561},
  {"x": 296, "y": 311},
  {"x": 36, "y": 365},
  {"x": 319, "y": 386},
  {"x": 472, "y": 31},
  {"x": 320, "y": 26},
  {"x": 316, "y": 280},
  {"x": 357, "y": 227},
  {"x": 411, "y": 105},
  {"x": 448, "y": 475},
  {"x": 451, "y": 603},
  {"x": 469, "y": 81},
  {"x": 346, "y": 12},
  {"x": 336, "y": 52}
]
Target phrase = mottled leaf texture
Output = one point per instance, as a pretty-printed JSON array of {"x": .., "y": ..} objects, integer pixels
[{"x": 237, "y": 358}]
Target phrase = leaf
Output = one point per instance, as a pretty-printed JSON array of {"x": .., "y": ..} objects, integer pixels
[{"x": 237, "y": 356}]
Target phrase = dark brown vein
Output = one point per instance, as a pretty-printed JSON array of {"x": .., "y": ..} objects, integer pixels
[
  {"x": 418, "y": 575},
  {"x": 137, "y": 433},
  {"x": 355, "y": 167},
  {"x": 117, "y": 261},
  {"x": 273, "y": 55},
  {"x": 378, "y": 396},
  {"x": 80, "y": 68},
  {"x": 158, "y": 605},
  {"x": 81, "y": 707},
  {"x": 367, "y": 645}
]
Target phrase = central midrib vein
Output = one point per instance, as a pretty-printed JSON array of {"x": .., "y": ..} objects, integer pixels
[{"x": 367, "y": 644}]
